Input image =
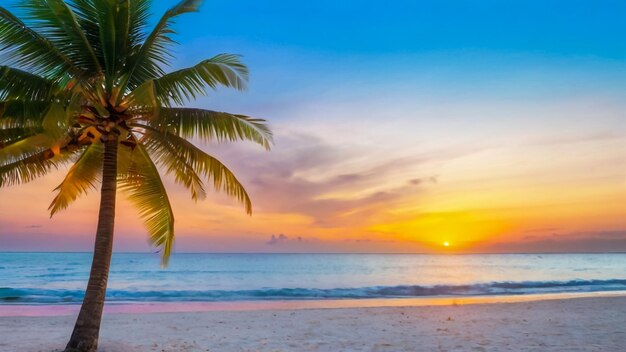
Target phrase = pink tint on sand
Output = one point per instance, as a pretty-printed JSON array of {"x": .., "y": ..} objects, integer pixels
[{"x": 186, "y": 307}]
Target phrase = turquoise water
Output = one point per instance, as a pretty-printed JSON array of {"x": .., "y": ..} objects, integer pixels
[{"x": 60, "y": 278}]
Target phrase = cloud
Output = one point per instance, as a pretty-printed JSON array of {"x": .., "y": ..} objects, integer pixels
[
  {"x": 567, "y": 139},
  {"x": 333, "y": 185},
  {"x": 277, "y": 240},
  {"x": 280, "y": 239}
]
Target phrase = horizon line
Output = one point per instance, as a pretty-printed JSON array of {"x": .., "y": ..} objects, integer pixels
[{"x": 323, "y": 253}]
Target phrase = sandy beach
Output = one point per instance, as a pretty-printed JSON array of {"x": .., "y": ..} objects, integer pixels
[{"x": 581, "y": 324}]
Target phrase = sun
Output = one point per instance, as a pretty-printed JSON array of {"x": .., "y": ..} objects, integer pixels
[{"x": 446, "y": 244}]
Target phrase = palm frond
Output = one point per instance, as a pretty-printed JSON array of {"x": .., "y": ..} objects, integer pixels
[
  {"x": 124, "y": 161},
  {"x": 15, "y": 134},
  {"x": 82, "y": 177},
  {"x": 87, "y": 16},
  {"x": 167, "y": 148},
  {"x": 23, "y": 47},
  {"x": 56, "y": 21},
  {"x": 31, "y": 166},
  {"x": 142, "y": 183},
  {"x": 24, "y": 114},
  {"x": 113, "y": 28},
  {"x": 146, "y": 63},
  {"x": 21, "y": 85},
  {"x": 186, "y": 84},
  {"x": 54, "y": 126},
  {"x": 168, "y": 157},
  {"x": 143, "y": 98},
  {"x": 26, "y": 147},
  {"x": 212, "y": 125},
  {"x": 114, "y": 38},
  {"x": 138, "y": 18}
]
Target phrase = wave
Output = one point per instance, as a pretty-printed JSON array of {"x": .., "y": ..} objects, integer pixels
[{"x": 10, "y": 295}]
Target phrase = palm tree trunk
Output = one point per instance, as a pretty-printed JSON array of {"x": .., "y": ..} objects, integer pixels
[{"x": 87, "y": 328}]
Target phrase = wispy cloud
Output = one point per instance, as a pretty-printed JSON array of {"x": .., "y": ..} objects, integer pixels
[{"x": 328, "y": 183}]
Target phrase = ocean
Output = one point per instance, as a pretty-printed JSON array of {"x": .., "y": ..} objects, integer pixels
[{"x": 60, "y": 278}]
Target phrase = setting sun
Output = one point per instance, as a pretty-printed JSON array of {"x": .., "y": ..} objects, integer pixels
[{"x": 446, "y": 244}]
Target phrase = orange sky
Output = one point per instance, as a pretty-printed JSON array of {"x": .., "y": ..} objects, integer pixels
[{"x": 314, "y": 195}]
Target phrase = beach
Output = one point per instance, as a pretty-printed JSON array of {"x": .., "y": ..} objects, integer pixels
[{"x": 578, "y": 324}]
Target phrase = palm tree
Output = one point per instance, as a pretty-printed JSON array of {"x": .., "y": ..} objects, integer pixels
[{"x": 84, "y": 84}]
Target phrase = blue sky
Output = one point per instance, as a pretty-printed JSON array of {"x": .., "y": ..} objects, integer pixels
[
  {"x": 306, "y": 50},
  {"x": 399, "y": 27}
]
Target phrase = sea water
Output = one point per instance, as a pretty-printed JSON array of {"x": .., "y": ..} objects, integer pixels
[{"x": 60, "y": 278}]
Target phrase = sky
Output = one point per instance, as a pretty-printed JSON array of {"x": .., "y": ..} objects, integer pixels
[{"x": 492, "y": 126}]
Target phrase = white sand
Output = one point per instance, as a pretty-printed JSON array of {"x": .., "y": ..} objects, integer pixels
[{"x": 583, "y": 324}]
